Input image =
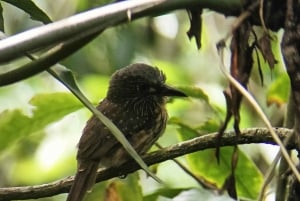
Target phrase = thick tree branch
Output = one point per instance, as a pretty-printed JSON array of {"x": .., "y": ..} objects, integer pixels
[
  {"x": 82, "y": 27},
  {"x": 254, "y": 135},
  {"x": 47, "y": 60},
  {"x": 104, "y": 17},
  {"x": 91, "y": 22}
]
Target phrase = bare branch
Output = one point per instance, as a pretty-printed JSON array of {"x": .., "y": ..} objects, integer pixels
[
  {"x": 98, "y": 19},
  {"x": 253, "y": 135}
]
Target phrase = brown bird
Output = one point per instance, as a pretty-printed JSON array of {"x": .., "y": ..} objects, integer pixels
[{"x": 135, "y": 103}]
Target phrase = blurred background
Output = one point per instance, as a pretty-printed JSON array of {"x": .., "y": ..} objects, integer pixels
[{"x": 49, "y": 154}]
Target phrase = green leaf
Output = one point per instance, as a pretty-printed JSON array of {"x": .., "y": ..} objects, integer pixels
[
  {"x": 95, "y": 86},
  {"x": 175, "y": 73},
  {"x": 204, "y": 163},
  {"x": 248, "y": 177},
  {"x": 209, "y": 126},
  {"x": 98, "y": 192},
  {"x": 278, "y": 91},
  {"x": 48, "y": 108},
  {"x": 194, "y": 92},
  {"x": 130, "y": 189},
  {"x": 13, "y": 125},
  {"x": 28, "y": 167},
  {"x": 30, "y": 8},
  {"x": 189, "y": 131},
  {"x": 127, "y": 189},
  {"x": 165, "y": 192}
]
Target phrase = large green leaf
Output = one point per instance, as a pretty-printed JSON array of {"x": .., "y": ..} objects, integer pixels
[
  {"x": 48, "y": 108},
  {"x": 204, "y": 163},
  {"x": 29, "y": 7}
]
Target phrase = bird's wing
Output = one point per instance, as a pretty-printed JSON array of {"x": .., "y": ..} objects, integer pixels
[{"x": 96, "y": 139}]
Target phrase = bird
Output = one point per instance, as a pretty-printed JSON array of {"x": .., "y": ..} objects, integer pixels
[{"x": 135, "y": 102}]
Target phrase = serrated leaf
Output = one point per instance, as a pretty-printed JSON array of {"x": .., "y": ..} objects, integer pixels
[
  {"x": 29, "y": 7},
  {"x": 204, "y": 163},
  {"x": 278, "y": 91}
]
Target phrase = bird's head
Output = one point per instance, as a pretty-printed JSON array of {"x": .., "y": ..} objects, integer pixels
[{"x": 140, "y": 82}]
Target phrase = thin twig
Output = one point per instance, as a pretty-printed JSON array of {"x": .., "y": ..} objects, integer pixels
[
  {"x": 261, "y": 15},
  {"x": 288, "y": 123}
]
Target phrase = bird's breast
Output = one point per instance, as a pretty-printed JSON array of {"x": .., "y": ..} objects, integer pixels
[{"x": 140, "y": 129}]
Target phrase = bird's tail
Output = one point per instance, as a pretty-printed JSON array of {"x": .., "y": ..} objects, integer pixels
[{"x": 83, "y": 181}]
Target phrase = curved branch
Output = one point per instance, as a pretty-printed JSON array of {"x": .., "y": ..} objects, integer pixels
[
  {"x": 104, "y": 17},
  {"x": 253, "y": 135},
  {"x": 44, "y": 62},
  {"x": 76, "y": 31}
]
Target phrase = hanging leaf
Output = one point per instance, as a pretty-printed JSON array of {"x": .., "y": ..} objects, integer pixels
[
  {"x": 196, "y": 25},
  {"x": 264, "y": 45}
]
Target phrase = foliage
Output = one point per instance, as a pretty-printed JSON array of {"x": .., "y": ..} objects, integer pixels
[{"x": 193, "y": 72}]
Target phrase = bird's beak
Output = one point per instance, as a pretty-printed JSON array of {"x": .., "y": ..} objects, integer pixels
[{"x": 170, "y": 91}]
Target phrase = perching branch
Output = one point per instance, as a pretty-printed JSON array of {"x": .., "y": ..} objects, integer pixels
[{"x": 253, "y": 135}]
